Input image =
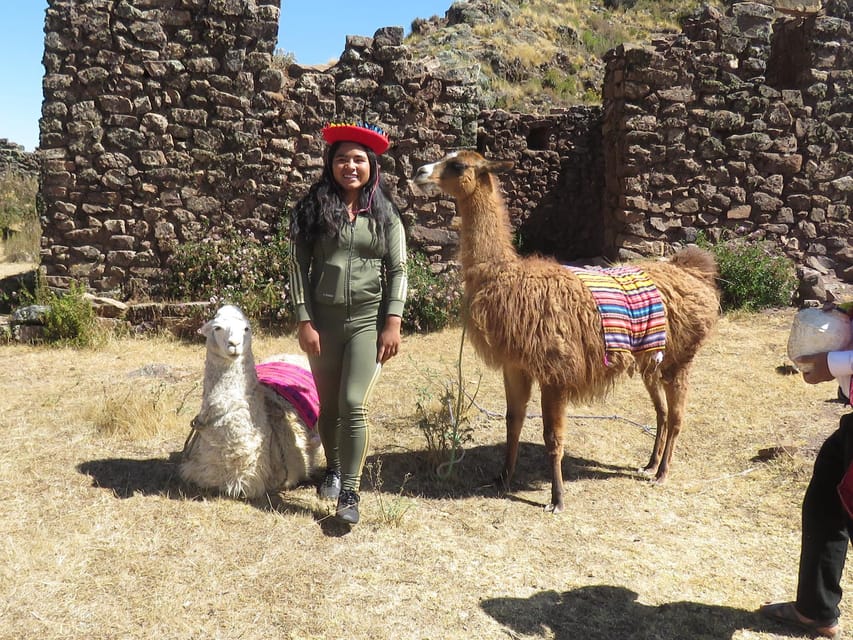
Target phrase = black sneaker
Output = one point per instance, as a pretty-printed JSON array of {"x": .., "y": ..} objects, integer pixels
[
  {"x": 330, "y": 488},
  {"x": 347, "y": 511}
]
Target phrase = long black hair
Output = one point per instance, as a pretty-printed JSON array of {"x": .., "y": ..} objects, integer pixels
[{"x": 322, "y": 210}]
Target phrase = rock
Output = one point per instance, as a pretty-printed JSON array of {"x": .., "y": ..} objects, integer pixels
[{"x": 33, "y": 314}]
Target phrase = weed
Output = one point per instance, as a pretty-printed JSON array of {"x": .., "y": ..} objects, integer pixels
[
  {"x": 392, "y": 512},
  {"x": 447, "y": 425},
  {"x": 141, "y": 413},
  {"x": 70, "y": 318}
]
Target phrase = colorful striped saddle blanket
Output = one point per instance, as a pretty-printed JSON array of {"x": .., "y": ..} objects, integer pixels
[
  {"x": 633, "y": 317},
  {"x": 294, "y": 384}
]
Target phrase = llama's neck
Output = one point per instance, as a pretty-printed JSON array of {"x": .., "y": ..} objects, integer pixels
[
  {"x": 485, "y": 239},
  {"x": 224, "y": 378}
]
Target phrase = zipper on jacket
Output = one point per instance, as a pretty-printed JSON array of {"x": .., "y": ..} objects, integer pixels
[{"x": 348, "y": 282}]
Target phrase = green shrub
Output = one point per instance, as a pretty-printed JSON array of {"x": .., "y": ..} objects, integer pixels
[
  {"x": 753, "y": 275},
  {"x": 70, "y": 319},
  {"x": 434, "y": 300},
  {"x": 236, "y": 269}
]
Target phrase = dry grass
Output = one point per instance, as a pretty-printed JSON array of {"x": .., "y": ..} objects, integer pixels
[{"x": 99, "y": 539}]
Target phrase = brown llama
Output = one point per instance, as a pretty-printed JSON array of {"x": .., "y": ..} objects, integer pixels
[{"x": 536, "y": 320}]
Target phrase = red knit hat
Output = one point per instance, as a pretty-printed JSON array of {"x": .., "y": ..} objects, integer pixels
[{"x": 365, "y": 134}]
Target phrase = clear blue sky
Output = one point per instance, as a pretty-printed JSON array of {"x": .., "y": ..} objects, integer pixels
[{"x": 313, "y": 30}]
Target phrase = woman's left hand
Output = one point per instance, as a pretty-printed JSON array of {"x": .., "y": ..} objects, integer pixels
[
  {"x": 389, "y": 339},
  {"x": 815, "y": 368}
]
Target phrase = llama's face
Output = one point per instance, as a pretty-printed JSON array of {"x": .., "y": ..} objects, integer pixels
[
  {"x": 228, "y": 333},
  {"x": 458, "y": 174}
]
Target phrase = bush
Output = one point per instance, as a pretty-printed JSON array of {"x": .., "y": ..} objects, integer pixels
[
  {"x": 753, "y": 275},
  {"x": 236, "y": 269},
  {"x": 70, "y": 318},
  {"x": 434, "y": 300}
]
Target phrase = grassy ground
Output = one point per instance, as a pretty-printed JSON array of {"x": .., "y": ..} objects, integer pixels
[{"x": 99, "y": 539}]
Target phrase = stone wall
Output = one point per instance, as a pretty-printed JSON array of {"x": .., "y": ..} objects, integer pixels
[
  {"x": 165, "y": 122},
  {"x": 740, "y": 127},
  {"x": 15, "y": 159}
]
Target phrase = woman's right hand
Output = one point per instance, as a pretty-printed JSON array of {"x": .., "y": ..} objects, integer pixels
[{"x": 309, "y": 339}]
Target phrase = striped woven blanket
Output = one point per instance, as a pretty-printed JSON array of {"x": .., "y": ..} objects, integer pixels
[
  {"x": 294, "y": 384},
  {"x": 633, "y": 317}
]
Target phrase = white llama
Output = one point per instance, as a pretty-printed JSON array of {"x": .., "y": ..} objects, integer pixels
[{"x": 247, "y": 439}]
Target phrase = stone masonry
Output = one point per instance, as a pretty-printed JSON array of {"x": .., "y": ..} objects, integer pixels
[
  {"x": 741, "y": 126},
  {"x": 15, "y": 159},
  {"x": 166, "y": 121}
]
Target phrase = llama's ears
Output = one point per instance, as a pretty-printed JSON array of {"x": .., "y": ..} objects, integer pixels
[
  {"x": 500, "y": 166},
  {"x": 206, "y": 329}
]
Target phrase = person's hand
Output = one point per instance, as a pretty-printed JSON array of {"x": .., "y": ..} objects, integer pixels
[
  {"x": 389, "y": 339},
  {"x": 814, "y": 367},
  {"x": 309, "y": 339}
]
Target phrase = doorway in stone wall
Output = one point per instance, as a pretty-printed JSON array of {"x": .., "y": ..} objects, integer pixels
[
  {"x": 568, "y": 222},
  {"x": 790, "y": 55}
]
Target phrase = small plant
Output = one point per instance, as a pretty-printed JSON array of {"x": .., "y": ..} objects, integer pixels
[
  {"x": 70, "y": 319},
  {"x": 282, "y": 59},
  {"x": 236, "y": 269},
  {"x": 753, "y": 275},
  {"x": 390, "y": 512},
  {"x": 447, "y": 425},
  {"x": 434, "y": 300}
]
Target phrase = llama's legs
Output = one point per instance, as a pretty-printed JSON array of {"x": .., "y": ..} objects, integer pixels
[
  {"x": 517, "y": 387},
  {"x": 553, "y": 432},
  {"x": 654, "y": 386},
  {"x": 676, "y": 397}
]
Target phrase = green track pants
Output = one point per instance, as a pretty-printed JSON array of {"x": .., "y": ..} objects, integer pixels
[{"x": 345, "y": 372}]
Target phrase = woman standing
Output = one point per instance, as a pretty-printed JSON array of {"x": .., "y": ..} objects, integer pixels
[{"x": 348, "y": 282}]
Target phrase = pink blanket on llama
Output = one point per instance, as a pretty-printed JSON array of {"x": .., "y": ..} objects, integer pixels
[{"x": 294, "y": 384}]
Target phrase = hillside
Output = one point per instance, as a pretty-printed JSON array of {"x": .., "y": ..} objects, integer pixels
[{"x": 533, "y": 55}]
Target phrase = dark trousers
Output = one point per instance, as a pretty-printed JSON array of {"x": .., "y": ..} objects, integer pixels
[{"x": 826, "y": 529}]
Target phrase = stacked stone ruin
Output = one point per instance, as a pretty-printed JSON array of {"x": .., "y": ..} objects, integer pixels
[
  {"x": 15, "y": 159},
  {"x": 166, "y": 121},
  {"x": 740, "y": 127}
]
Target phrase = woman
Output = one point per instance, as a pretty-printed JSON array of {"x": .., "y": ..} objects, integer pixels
[
  {"x": 827, "y": 525},
  {"x": 348, "y": 282}
]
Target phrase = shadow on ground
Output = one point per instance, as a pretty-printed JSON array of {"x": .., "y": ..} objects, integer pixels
[
  {"x": 408, "y": 473},
  {"x": 604, "y": 612},
  {"x": 127, "y": 478},
  {"x": 412, "y": 472}
]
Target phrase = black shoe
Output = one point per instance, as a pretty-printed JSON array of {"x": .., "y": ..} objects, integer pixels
[
  {"x": 347, "y": 510},
  {"x": 330, "y": 488}
]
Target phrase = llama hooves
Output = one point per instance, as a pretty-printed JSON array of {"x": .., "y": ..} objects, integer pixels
[
  {"x": 554, "y": 508},
  {"x": 655, "y": 475}
]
